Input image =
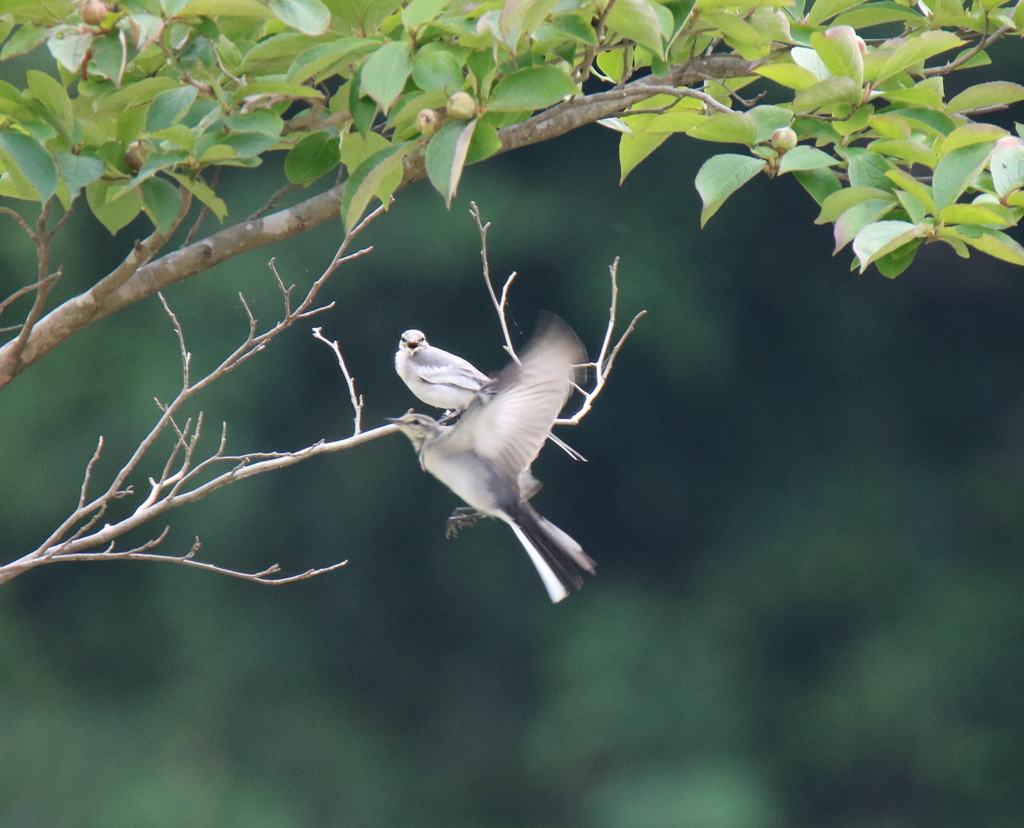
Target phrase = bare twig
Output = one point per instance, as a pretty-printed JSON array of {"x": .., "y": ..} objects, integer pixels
[
  {"x": 272, "y": 201},
  {"x": 981, "y": 45},
  {"x": 181, "y": 480},
  {"x": 606, "y": 359},
  {"x": 7, "y": 211},
  {"x": 43, "y": 284},
  {"x": 354, "y": 398},
  {"x": 499, "y": 304}
]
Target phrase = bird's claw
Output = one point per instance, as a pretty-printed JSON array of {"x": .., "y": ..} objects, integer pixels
[{"x": 461, "y": 518}]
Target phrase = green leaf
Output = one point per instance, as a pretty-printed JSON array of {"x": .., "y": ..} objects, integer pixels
[
  {"x": 446, "y": 156},
  {"x": 314, "y": 156},
  {"x": 805, "y": 158},
  {"x": 957, "y": 170},
  {"x": 26, "y": 159},
  {"x": 894, "y": 263},
  {"x": 385, "y": 72},
  {"x": 261, "y": 120},
  {"x": 855, "y": 219},
  {"x": 993, "y": 242},
  {"x": 788, "y": 74},
  {"x": 913, "y": 151},
  {"x": 1007, "y": 166},
  {"x": 820, "y": 183},
  {"x": 985, "y": 214},
  {"x": 112, "y": 214},
  {"x": 520, "y": 18},
  {"x": 419, "y": 12},
  {"x": 308, "y": 16},
  {"x": 727, "y": 127},
  {"x": 68, "y": 47},
  {"x": 635, "y": 146},
  {"x": 839, "y": 50},
  {"x": 76, "y": 171},
  {"x": 720, "y": 176},
  {"x": 437, "y": 70},
  {"x": 326, "y": 57},
  {"x": 233, "y": 8},
  {"x": 940, "y": 123},
  {"x": 162, "y": 202},
  {"x": 922, "y": 192},
  {"x": 169, "y": 107},
  {"x": 637, "y": 20},
  {"x": 51, "y": 95},
  {"x": 768, "y": 119},
  {"x": 380, "y": 173},
  {"x": 883, "y": 237},
  {"x": 867, "y": 169},
  {"x": 822, "y": 10},
  {"x": 827, "y": 94},
  {"x": 986, "y": 94},
  {"x": 24, "y": 39},
  {"x": 201, "y": 190},
  {"x": 971, "y": 134},
  {"x": 677, "y": 119},
  {"x": 532, "y": 88},
  {"x": 247, "y": 144},
  {"x": 578, "y": 27},
  {"x": 916, "y": 50},
  {"x": 842, "y": 200}
]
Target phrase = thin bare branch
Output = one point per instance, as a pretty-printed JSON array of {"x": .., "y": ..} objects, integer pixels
[
  {"x": 43, "y": 284},
  {"x": 180, "y": 481},
  {"x": 354, "y": 398},
  {"x": 7, "y": 211},
  {"x": 500, "y": 304},
  {"x": 980, "y": 46},
  {"x": 141, "y": 553},
  {"x": 272, "y": 201}
]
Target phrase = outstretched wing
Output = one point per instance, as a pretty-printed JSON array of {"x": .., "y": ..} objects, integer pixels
[{"x": 511, "y": 417}]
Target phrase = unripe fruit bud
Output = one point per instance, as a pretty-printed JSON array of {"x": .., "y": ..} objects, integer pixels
[
  {"x": 93, "y": 12},
  {"x": 136, "y": 154},
  {"x": 784, "y": 139},
  {"x": 461, "y": 106},
  {"x": 427, "y": 121}
]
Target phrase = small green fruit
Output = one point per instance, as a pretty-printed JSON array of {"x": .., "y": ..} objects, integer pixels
[
  {"x": 136, "y": 154},
  {"x": 93, "y": 12},
  {"x": 784, "y": 139},
  {"x": 461, "y": 106},
  {"x": 427, "y": 121}
]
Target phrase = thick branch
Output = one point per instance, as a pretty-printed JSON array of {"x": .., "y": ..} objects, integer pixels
[{"x": 112, "y": 294}]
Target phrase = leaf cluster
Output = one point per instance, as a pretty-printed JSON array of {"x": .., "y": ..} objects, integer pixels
[{"x": 149, "y": 95}]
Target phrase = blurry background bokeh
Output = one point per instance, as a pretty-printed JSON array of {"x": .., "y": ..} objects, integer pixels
[{"x": 805, "y": 493}]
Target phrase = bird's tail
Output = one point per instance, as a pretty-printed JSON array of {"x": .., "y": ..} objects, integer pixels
[{"x": 559, "y": 559}]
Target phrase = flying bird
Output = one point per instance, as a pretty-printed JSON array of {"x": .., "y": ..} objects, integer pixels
[{"x": 485, "y": 457}]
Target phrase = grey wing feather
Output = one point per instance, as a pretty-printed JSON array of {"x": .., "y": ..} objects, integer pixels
[
  {"x": 442, "y": 368},
  {"x": 510, "y": 425}
]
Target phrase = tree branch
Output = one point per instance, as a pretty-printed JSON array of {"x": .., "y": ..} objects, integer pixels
[
  {"x": 181, "y": 480},
  {"x": 133, "y": 284}
]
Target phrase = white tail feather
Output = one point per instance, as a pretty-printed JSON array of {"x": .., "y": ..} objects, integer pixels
[{"x": 556, "y": 591}]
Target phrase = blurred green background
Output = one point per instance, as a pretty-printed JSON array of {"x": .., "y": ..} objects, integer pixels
[{"x": 805, "y": 495}]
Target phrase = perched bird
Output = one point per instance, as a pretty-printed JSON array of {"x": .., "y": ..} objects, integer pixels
[
  {"x": 444, "y": 380},
  {"x": 485, "y": 457},
  {"x": 435, "y": 376}
]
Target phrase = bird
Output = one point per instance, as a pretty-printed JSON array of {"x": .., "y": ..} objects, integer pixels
[
  {"x": 435, "y": 376},
  {"x": 444, "y": 380},
  {"x": 485, "y": 457}
]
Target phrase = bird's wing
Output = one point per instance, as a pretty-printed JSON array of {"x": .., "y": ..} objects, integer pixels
[
  {"x": 439, "y": 367},
  {"x": 509, "y": 422}
]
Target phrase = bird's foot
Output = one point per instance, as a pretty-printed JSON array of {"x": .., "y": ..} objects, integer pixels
[{"x": 461, "y": 518}]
